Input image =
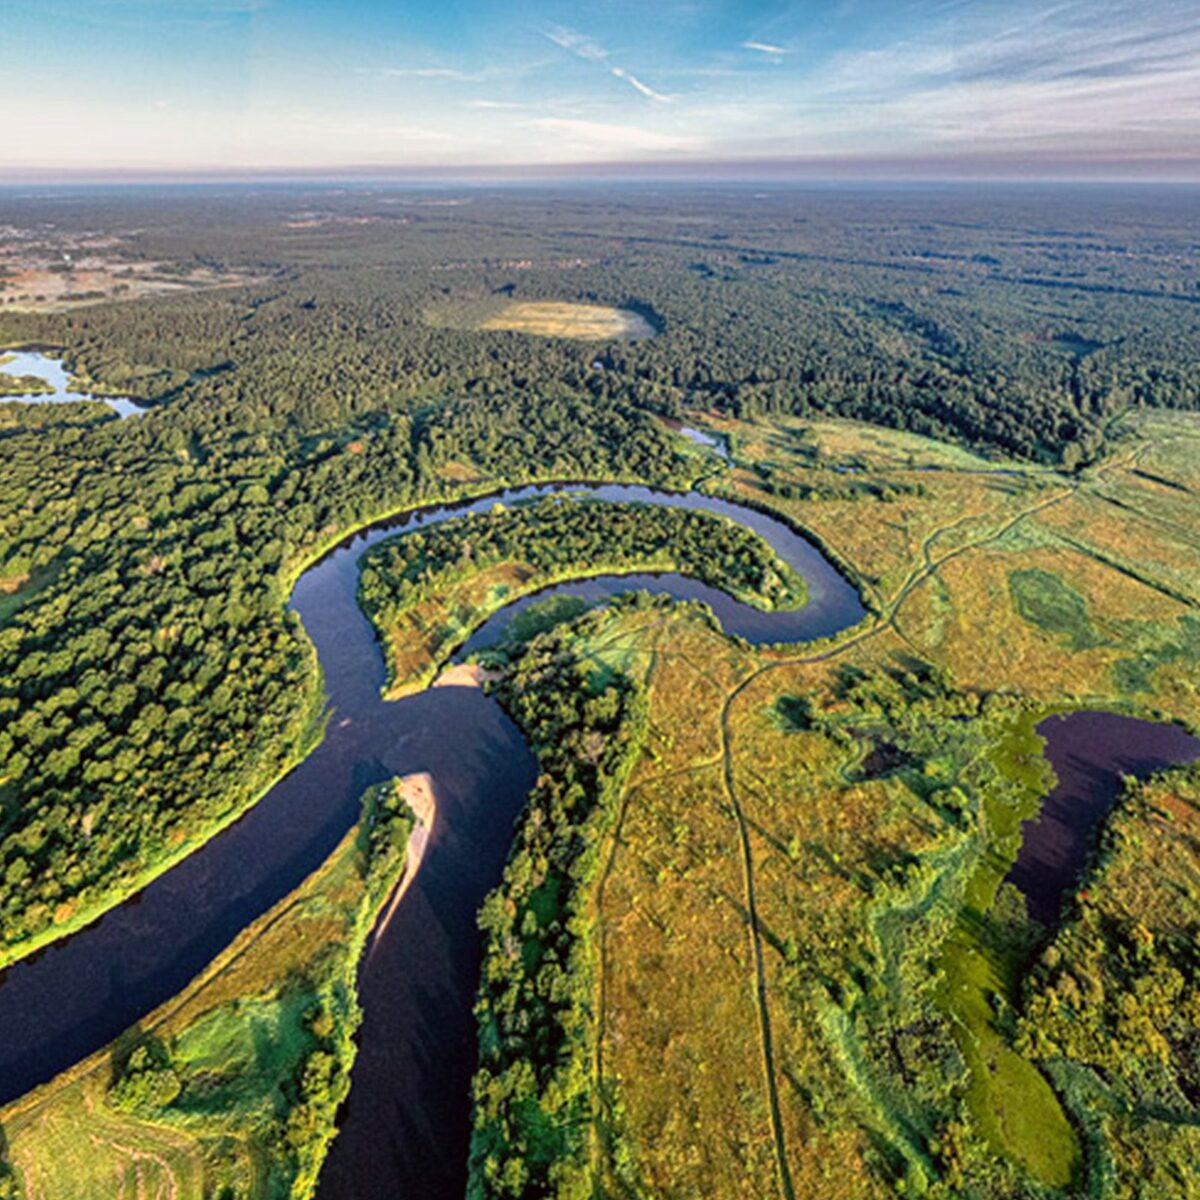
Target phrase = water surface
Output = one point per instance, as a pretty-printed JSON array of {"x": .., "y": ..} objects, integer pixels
[
  {"x": 43, "y": 366},
  {"x": 1090, "y": 752}
]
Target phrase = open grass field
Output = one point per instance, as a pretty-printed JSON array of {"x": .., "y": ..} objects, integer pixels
[
  {"x": 236, "y": 1052},
  {"x": 588, "y": 322},
  {"x": 830, "y": 915},
  {"x": 544, "y": 318}
]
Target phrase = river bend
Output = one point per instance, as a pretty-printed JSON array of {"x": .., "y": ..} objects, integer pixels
[{"x": 406, "y": 1126}]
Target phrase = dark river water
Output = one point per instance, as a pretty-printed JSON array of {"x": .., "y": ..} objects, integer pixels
[
  {"x": 1090, "y": 752},
  {"x": 405, "y": 1127}
]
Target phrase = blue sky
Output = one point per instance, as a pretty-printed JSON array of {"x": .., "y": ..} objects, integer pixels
[{"x": 1025, "y": 86}]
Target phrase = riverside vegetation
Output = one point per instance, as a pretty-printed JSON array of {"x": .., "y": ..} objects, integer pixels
[
  {"x": 427, "y": 591},
  {"x": 232, "y": 1089},
  {"x": 772, "y": 873}
]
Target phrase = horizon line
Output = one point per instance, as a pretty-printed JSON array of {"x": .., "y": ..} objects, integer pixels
[{"x": 811, "y": 169}]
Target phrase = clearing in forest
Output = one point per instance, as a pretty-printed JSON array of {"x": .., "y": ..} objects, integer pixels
[{"x": 589, "y": 322}]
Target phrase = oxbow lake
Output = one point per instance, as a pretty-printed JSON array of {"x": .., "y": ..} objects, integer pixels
[{"x": 52, "y": 371}]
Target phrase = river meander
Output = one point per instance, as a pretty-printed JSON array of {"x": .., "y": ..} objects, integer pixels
[{"x": 406, "y": 1126}]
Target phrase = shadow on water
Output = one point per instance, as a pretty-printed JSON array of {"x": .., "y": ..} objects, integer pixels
[
  {"x": 1090, "y": 752},
  {"x": 406, "y": 1125}
]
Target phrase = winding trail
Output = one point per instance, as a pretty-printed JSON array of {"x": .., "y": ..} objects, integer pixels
[
  {"x": 889, "y": 621},
  {"x": 760, "y": 975}
]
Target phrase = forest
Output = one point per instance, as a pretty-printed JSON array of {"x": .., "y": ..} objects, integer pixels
[
  {"x": 1029, "y": 352},
  {"x": 532, "y": 1093},
  {"x": 429, "y": 590}
]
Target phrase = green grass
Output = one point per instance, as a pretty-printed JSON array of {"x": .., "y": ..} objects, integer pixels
[
  {"x": 1048, "y": 602},
  {"x": 258, "y": 1049},
  {"x": 1014, "y": 1105}
]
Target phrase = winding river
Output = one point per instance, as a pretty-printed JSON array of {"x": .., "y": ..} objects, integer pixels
[
  {"x": 405, "y": 1128},
  {"x": 406, "y": 1125}
]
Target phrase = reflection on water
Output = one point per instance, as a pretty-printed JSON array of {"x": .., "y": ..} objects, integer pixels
[
  {"x": 51, "y": 370},
  {"x": 714, "y": 441},
  {"x": 1090, "y": 752}
]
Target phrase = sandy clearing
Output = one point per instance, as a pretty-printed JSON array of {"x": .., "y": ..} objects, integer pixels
[
  {"x": 464, "y": 675},
  {"x": 419, "y": 795}
]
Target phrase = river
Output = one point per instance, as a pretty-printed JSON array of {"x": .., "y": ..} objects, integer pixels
[{"x": 406, "y": 1126}]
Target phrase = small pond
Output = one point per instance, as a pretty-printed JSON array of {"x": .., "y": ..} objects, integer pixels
[{"x": 1090, "y": 752}]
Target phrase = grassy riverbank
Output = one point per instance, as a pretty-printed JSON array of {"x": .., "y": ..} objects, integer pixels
[{"x": 231, "y": 1088}]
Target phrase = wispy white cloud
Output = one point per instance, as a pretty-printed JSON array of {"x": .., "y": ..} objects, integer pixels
[
  {"x": 1115, "y": 73},
  {"x": 424, "y": 73},
  {"x": 635, "y": 83},
  {"x": 577, "y": 43},
  {"x": 589, "y": 50},
  {"x": 766, "y": 48}
]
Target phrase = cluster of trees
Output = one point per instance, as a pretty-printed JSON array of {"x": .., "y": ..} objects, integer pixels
[
  {"x": 21, "y": 385},
  {"x": 558, "y": 536},
  {"x": 151, "y": 684},
  {"x": 533, "y": 1092}
]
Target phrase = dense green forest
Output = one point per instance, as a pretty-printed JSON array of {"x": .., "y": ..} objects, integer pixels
[
  {"x": 1019, "y": 321},
  {"x": 558, "y": 534},
  {"x": 533, "y": 1107},
  {"x": 150, "y": 683},
  {"x": 153, "y": 684}
]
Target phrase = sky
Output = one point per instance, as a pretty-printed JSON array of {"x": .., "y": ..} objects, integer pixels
[{"x": 872, "y": 87}]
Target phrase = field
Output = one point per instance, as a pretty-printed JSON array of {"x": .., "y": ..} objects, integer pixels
[
  {"x": 230, "y": 1089},
  {"x": 872, "y": 874},
  {"x": 588, "y": 322},
  {"x": 46, "y": 272},
  {"x": 546, "y": 318}
]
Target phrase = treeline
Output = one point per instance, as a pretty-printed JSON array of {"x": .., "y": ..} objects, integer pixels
[
  {"x": 558, "y": 536},
  {"x": 533, "y": 1093}
]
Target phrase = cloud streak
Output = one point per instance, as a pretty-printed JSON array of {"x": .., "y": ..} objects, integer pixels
[
  {"x": 584, "y": 47},
  {"x": 766, "y": 48}
]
